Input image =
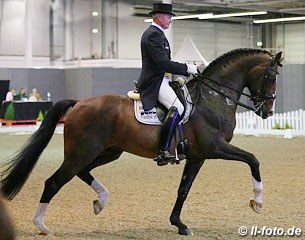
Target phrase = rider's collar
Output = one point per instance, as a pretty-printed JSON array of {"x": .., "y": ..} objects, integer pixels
[{"x": 158, "y": 26}]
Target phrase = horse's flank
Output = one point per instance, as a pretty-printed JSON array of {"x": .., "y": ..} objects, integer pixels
[{"x": 112, "y": 116}]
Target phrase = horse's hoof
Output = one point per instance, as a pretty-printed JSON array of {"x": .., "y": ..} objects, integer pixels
[
  {"x": 256, "y": 207},
  {"x": 185, "y": 232},
  {"x": 44, "y": 230},
  {"x": 97, "y": 208}
]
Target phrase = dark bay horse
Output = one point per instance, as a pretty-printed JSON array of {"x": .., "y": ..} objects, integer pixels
[{"x": 98, "y": 130}]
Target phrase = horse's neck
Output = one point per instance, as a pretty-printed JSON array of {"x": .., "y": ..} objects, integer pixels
[
  {"x": 225, "y": 86},
  {"x": 233, "y": 74},
  {"x": 228, "y": 82}
]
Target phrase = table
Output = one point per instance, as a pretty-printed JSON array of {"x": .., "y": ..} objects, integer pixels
[{"x": 26, "y": 111}]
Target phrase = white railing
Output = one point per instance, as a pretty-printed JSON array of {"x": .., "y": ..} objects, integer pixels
[{"x": 284, "y": 124}]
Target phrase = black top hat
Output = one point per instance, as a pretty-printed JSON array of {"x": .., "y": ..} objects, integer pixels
[{"x": 162, "y": 8}]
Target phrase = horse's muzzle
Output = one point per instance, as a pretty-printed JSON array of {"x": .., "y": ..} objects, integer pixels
[{"x": 270, "y": 113}]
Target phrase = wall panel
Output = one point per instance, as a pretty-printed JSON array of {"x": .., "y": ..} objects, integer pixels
[{"x": 291, "y": 39}]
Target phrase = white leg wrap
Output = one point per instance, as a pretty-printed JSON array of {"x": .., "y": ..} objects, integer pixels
[
  {"x": 258, "y": 190},
  {"x": 39, "y": 216},
  {"x": 103, "y": 194}
]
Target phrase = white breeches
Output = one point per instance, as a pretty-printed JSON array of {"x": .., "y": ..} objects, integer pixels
[{"x": 168, "y": 97}]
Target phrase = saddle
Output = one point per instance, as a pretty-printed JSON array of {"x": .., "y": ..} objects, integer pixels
[{"x": 156, "y": 115}]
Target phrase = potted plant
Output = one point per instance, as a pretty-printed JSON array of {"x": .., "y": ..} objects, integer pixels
[
  {"x": 9, "y": 114},
  {"x": 277, "y": 126},
  {"x": 287, "y": 126},
  {"x": 39, "y": 117}
]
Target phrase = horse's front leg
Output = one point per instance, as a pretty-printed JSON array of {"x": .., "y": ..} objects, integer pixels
[
  {"x": 230, "y": 152},
  {"x": 189, "y": 173}
]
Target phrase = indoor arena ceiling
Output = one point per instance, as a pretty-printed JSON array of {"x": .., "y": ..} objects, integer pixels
[{"x": 275, "y": 8}]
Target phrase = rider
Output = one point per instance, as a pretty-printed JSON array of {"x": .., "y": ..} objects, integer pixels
[{"x": 155, "y": 76}]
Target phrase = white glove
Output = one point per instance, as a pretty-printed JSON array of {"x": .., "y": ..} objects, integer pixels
[{"x": 192, "y": 69}]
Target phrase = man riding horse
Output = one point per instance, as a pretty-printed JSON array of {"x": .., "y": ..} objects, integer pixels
[{"x": 153, "y": 83}]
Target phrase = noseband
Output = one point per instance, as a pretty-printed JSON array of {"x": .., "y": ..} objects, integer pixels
[{"x": 258, "y": 100}]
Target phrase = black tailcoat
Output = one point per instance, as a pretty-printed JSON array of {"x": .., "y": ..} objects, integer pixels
[{"x": 156, "y": 61}]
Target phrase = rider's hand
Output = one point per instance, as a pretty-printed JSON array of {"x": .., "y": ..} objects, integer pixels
[
  {"x": 180, "y": 80},
  {"x": 192, "y": 69}
]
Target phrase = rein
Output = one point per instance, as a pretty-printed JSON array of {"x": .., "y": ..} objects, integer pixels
[
  {"x": 259, "y": 99},
  {"x": 201, "y": 78}
]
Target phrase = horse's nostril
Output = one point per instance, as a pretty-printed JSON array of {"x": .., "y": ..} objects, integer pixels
[{"x": 270, "y": 113}]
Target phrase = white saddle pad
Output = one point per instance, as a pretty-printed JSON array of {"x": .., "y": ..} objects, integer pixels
[{"x": 150, "y": 117}]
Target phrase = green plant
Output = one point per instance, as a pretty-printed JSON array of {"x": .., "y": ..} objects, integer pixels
[
  {"x": 287, "y": 126},
  {"x": 40, "y": 116},
  {"x": 277, "y": 126},
  {"x": 9, "y": 114}
]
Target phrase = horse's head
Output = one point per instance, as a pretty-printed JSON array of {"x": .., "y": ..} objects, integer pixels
[{"x": 263, "y": 85}]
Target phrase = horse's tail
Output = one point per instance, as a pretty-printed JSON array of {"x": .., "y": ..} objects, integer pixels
[{"x": 18, "y": 169}]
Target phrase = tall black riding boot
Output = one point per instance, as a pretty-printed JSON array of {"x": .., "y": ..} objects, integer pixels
[{"x": 167, "y": 130}]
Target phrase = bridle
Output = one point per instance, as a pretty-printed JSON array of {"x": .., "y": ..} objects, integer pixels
[
  {"x": 257, "y": 100},
  {"x": 260, "y": 100}
]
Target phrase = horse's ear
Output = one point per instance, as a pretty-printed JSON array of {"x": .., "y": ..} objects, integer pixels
[{"x": 277, "y": 60}]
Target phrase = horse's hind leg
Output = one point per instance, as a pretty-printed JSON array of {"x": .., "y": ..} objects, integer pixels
[
  {"x": 102, "y": 192},
  {"x": 52, "y": 185},
  {"x": 107, "y": 156}
]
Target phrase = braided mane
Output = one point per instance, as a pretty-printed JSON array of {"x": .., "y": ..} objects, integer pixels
[{"x": 234, "y": 53}]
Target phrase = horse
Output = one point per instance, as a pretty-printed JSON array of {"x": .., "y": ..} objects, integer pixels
[
  {"x": 6, "y": 227},
  {"x": 99, "y": 129}
]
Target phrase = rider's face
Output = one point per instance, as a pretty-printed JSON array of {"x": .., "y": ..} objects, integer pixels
[{"x": 165, "y": 20}]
